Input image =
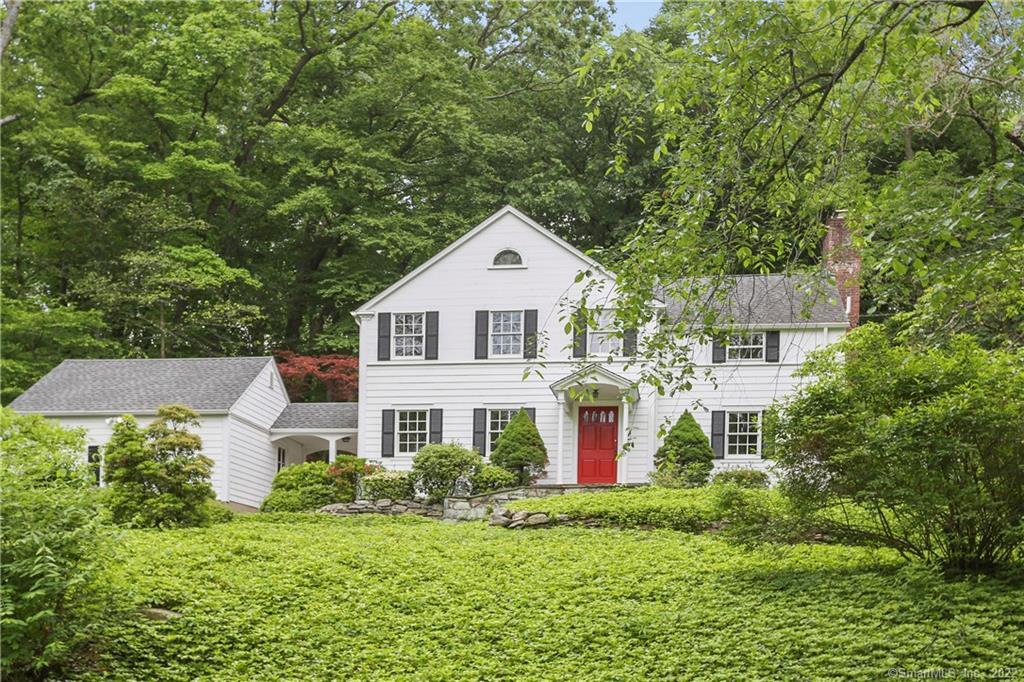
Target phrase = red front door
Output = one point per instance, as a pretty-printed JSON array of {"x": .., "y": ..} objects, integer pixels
[{"x": 598, "y": 443}]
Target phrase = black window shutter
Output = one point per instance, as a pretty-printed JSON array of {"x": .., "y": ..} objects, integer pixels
[
  {"x": 430, "y": 350},
  {"x": 436, "y": 415},
  {"x": 529, "y": 333},
  {"x": 629, "y": 343},
  {"x": 579, "y": 337},
  {"x": 480, "y": 430},
  {"x": 717, "y": 352},
  {"x": 771, "y": 346},
  {"x": 718, "y": 433},
  {"x": 531, "y": 412},
  {"x": 383, "y": 336},
  {"x": 387, "y": 433},
  {"x": 481, "y": 334}
]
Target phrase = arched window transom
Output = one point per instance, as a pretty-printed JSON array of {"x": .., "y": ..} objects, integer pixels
[{"x": 508, "y": 257}]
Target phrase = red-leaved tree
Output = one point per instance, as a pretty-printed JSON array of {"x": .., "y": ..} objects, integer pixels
[{"x": 319, "y": 378}]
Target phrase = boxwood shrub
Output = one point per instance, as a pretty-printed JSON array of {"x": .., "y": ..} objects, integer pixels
[
  {"x": 491, "y": 478},
  {"x": 392, "y": 485},
  {"x": 438, "y": 468}
]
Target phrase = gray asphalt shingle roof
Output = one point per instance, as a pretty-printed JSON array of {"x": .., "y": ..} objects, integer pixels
[
  {"x": 765, "y": 300},
  {"x": 118, "y": 386},
  {"x": 318, "y": 416}
]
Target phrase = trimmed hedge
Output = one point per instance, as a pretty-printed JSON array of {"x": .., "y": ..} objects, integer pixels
[
  {"x": 491, "y": 478},
  {"x": 309, "y": 486}
]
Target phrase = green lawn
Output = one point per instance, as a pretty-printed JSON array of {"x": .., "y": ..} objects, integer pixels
[{"x": 410, "y": 599}]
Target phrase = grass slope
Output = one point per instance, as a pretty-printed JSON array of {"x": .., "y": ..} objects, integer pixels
[{"x": 317, "y": 598}]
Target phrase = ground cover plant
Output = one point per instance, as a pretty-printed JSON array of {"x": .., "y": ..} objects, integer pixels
[
  {"x": 311, "y": 597},
  {"x": 693, "y": 509}
]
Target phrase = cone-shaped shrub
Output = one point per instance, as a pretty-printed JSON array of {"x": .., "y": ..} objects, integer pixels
[
  {"x": 520, "y": 449},
  {"x": 686, "y": 452}
]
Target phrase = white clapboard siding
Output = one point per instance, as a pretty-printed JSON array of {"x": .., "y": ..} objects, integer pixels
[
  {"x": 212, "y": 430},
  {"x": 253, "y": 456}
]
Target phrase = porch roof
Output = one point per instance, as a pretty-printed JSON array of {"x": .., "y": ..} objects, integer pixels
[{"x": 594, "y": 375}]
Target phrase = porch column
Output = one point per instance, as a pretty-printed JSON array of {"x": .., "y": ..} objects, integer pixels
[
  {"x": 625, "y": 434},
  {"x": 560, "y": 478},
  {"x": 332, "y": 449}
]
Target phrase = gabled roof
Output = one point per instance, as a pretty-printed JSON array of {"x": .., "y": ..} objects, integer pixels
[
  {"x": 760, "y": 300},
  {"x": 591, "y": 375},
  {"x": 507, "y": 210},
  {"x": 318, "y": 416},
  {"x": 120, "y": 386}
]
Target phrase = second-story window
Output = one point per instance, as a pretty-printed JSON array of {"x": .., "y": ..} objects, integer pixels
[
  {"x": 506, "y": 332},
  {"x": 602, "y": 337},
  {"x": 746, "y": 346},
  {"x": 408, "y": 335}
]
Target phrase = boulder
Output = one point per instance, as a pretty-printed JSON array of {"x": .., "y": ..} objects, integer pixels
[
  {"x": 520, "y": 516},
  {"x": 517, "y": 524},
  {"x": 561, "y": 518},
  {"x": 537, "y": 519},
  {"x": 499, "y": 519}
]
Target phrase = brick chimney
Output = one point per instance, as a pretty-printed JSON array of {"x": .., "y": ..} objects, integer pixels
[{"x": 843, "y": 261}]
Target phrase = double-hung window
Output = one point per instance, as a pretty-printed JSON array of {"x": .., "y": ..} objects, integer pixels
[
  {"x": 507, "y": 333},
  {"x": 412, "y": 431},
  {"x": 602, "y": 337},
  {"x": 282, "y": 456},
  {"x": 748, "y": 346},
  {"x": 408, "y": 333},
  {"x": 497, "y": 420},
  {"x": 743, "y": 434}
]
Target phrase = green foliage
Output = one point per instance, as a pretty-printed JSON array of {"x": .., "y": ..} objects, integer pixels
[
  {"x": 53, "y": 544},
  {"x": 686, "y": 454},
  {"x": 830, "y": 612},
  {"x": 744, "y": 478},
  {"x": 157, "y": 477},
  {"x": 38, "y": 334},
  {"x": 216, "y": 512},
  {"x": 346, "y": 472},
  {"x": 491, "y": 477},
  {"x": 392, "y": 485},
  {"x": 930, "y": 441},
  {"x": 654, "y": 507},
  {"x": 309, "y": 486},
  {"x": 437, "y": 468},
  {"x": 870, "y": 118},
  {"x": 237, "y": 119},
  {"x": 520, "y": 449}
]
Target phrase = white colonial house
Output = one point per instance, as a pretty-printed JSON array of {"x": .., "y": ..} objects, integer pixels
[{"x": 449, "y": 353}]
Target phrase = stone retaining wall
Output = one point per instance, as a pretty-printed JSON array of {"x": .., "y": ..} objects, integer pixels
[
  {"x": 479, "y": 506},
  {"x": 384, "y": 506}
]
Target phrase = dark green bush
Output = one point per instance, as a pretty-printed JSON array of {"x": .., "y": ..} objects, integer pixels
[
  {"x": 744, "y": 478},
  {"x": 392, "y": 485},
  {"x": 309, "y": 486},
  {"x": 520, "y": 449},
  {"x": 53, "y": 543},
  {"x": 685, "y": 457},
  {"x": 929, "y": 441},
  {"x": 491, "y": 478},
  {"x": 437, "y": 468},
  {"x": 157, "y": 478}
]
